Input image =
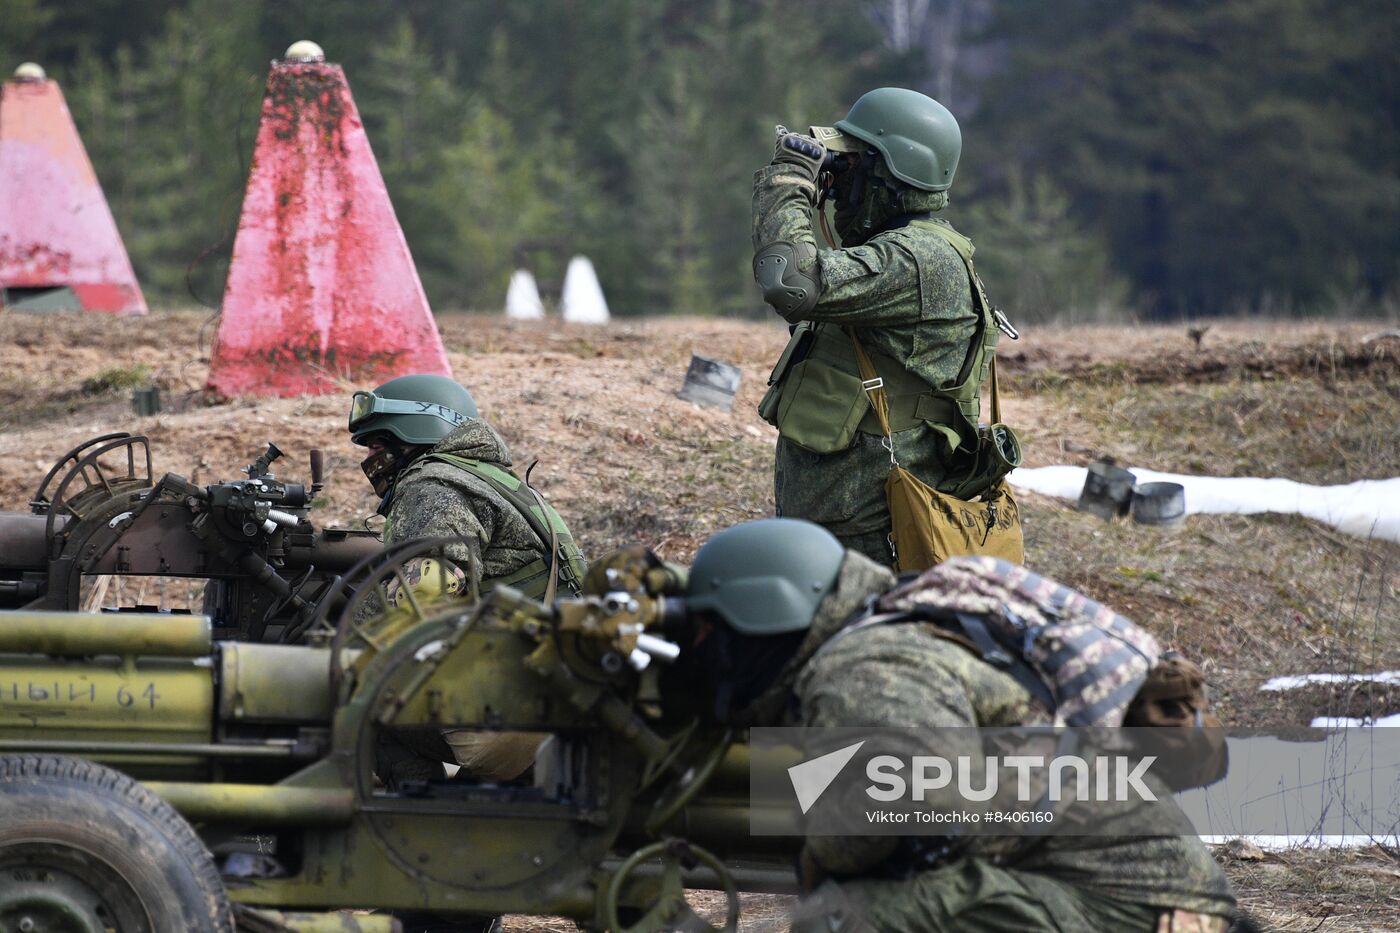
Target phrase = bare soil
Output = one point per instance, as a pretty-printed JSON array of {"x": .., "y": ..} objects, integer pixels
[{"x": 624, "y": 460}]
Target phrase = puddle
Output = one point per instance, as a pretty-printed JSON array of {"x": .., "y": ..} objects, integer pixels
[
  {"x": 1366, "y": 508},
  {"x": 1339, "y": 789}
]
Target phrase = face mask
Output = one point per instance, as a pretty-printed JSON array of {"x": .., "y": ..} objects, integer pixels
[
  {"x": 734, "y": 670},
  {"x": 850, "y": 193},
  {"x": 382, "y": 466}
]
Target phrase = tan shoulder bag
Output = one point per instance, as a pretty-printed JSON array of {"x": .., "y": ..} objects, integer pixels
[{"x": 930, "y": 526}]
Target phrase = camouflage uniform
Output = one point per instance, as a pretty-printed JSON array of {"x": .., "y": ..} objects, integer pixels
[
  {"x": 436, "y": 499},
  {"x": 904, "y": 675},
  {"x": 907, "y": 292},
  {"x": 430, "y": 499}
]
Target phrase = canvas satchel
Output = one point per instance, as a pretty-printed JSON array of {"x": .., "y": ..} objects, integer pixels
[{"x": 929, "y": 526}]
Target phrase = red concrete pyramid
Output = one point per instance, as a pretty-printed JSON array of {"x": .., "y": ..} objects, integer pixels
[
  {"x": 322, "y": 291},
  {"x": 59, "y": 247}
]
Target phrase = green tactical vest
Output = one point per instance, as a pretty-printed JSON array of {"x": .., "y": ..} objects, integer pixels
[
  {"x": 544, "y": 521},
  {"x": 816, "y": 398}
]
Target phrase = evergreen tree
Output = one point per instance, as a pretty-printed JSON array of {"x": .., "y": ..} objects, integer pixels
[{"x": 1213, "y": 154}]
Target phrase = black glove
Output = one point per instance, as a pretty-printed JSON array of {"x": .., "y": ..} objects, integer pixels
[{"x": 796, "y": 149}]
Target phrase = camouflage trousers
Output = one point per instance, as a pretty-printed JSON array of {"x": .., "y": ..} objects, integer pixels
[
  {"x": 873, "y": 544},
  {"x": 975, "y": 896}
]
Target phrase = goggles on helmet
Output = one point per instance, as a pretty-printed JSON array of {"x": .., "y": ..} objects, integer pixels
[{"x": 363, "y": 405}]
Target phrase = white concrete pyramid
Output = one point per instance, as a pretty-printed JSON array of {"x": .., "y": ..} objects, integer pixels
[
  {"x": 583, "y": 300},
  {"x": 523, "y": 297}
]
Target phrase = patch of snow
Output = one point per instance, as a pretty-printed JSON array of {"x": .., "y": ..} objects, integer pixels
[
  {"x": 1305, "y": 841},
  {"x": 1365, "y": 508},
  {"x": 1293, "y": 681},
  {"x": 1348, "y": 722}
]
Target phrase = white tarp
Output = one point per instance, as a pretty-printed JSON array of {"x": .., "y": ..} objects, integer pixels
[
  {"x": 583, "y": 301},
  {"x": 1366, "y": 508},
  {"x": 523, "y": 297}
]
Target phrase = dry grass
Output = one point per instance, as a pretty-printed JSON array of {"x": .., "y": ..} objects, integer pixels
[
  {"x": 1320, "y": 890},
  {"x": 1292, "y": 891}
]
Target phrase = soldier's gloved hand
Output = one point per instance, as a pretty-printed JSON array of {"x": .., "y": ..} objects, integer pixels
[
  {"x": 804, "y": 151},
  {"x": 634, "y": 566},
  {"x": 428, "y": 579},
  {"x": 625, "y": 566}
]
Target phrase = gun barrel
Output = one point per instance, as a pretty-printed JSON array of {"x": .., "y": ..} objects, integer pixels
[
  {"x": 335, "y": 550},
  {"x": 67, "y": 634},
  {"x": 23, "y": 545}
]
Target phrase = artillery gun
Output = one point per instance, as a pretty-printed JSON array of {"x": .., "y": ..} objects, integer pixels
[
  {"x": 98, "y": 514},
  {"x": 269, "y": 752}
]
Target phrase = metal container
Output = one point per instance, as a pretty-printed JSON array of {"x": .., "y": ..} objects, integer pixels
[
  {"x": 1108, "y": 490},
  {"x": 1159, "y": 504},
  {"x": 710, "y": 382},
  {"x": 146, "y": 402}
]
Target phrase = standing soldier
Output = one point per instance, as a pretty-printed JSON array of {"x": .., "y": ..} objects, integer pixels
[{"x": 902, "y": 289}]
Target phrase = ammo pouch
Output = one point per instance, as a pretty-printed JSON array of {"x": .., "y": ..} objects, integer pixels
[
  {"x": 812, "y": 403},
  {"x": 821, "y": 407},
  {"x": 998, "y": 452},
  {"x": 795, "y": 352}
]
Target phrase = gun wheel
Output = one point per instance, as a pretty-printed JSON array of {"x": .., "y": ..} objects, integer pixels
[
  {"x": 664, "y": 893},
  {"x": 84, "y": 849},
  {"x": 371, "y": 619}
]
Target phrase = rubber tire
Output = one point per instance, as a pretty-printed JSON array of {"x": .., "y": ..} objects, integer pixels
[{"x": 59, "y": 812}]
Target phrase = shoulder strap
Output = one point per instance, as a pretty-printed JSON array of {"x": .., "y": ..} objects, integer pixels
[
  {"x": 552, "y": 587},
  {"x": 509, "y": 486},
  {"x": 963, "y": 628},
  {"x": 875, "y": 388},
  {"x": 992, "y": 651},
  {"x": 987, "y": 329},
  {"x": 996, "y": 395}
]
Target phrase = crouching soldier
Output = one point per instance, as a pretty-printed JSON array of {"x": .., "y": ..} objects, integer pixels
[
  {"x": 441, "y": 471},
  {"x": 794, "y": 630}
]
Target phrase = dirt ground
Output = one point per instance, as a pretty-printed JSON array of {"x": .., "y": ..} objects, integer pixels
[{"x": 624, "y": 460}]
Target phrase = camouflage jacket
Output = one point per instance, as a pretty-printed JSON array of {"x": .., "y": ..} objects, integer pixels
[
  {"x": 907, "y": 292},
  {"x": 436, "y": 499},
  {"x": 906, "y": 676}
]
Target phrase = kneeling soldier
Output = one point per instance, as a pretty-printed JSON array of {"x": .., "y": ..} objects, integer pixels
[{"x": 771, "y": 598}]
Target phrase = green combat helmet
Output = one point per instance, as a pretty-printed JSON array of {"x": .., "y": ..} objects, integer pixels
[
  {"x": 918, "y": 137},
  {"x": 766, "y": 577},
  {"x": 415, "y": 409}
]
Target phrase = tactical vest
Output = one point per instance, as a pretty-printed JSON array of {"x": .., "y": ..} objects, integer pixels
[
  {"x": 544, "y": 521},
  {"x": 804, "y": 411},
  {"x": 1083, "y": 663}
]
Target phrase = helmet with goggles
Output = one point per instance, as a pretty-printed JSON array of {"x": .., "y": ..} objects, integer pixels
[{"x": 419, "y": 409}]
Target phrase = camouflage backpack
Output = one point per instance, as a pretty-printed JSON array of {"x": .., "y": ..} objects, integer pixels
[{"x": 1085, "y": 663}]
